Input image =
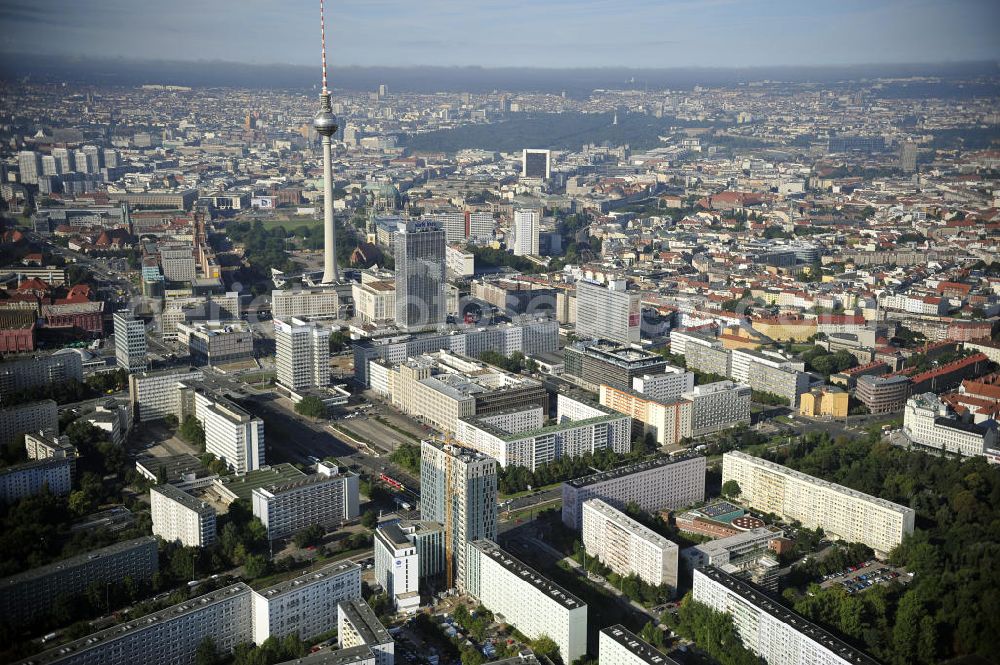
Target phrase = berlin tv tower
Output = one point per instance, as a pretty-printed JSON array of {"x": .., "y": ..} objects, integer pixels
[{"x": 326, "y": 124}]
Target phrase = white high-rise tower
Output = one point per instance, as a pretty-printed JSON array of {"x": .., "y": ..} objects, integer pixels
[{"x": 326, "y": 125}]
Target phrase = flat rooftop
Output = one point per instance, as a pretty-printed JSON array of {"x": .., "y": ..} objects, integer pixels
[
  {"x": 242, "y": 486},
  {"x": 333, "y": 570},
  {"x": 504, "y": 435},
  {"x": 137, "y": 624},
  {"x": 183, "y": 498},
  {"x": 364, "y": 621},
  {"x": 174, "y": 465},
  {"x": 639, "y": 648},
  {"x": 628, "y": 524},
  {"x": 335, "y": 657},
  {"x": 848, "y": 653},
  {"x": 833, "y": 487},
  {"x": 639, "y": 467},
  {"x": 79, "y": 560},
  {"x": 529, "y": 575},
  {"x": 717, "y": 547}
]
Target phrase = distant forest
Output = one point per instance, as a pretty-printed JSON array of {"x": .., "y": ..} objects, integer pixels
[
  {"x": 577, "y": 82},
  {"x": 554, "y": 131}
]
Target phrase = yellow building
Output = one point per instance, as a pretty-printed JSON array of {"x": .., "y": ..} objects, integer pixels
[
  {"x": 824, "y": 402},
  {"x": 785, "y": 329},
  {"x": 743, "y": 337}
]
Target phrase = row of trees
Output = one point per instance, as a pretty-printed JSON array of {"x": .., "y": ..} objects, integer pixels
[
  {"x": 712, "y": 631},
  {"x": 71, "y": 390},
  {"x": 631, "y": 585},
  {"x": 949, "y": 608},
  {"x": 515, "y": 479}
]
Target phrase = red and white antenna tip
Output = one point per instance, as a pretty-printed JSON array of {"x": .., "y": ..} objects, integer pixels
[{"x": 322, "y": 34}]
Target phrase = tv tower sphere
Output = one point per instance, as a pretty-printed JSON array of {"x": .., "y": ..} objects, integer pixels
[{"x": 325, "y": 122}]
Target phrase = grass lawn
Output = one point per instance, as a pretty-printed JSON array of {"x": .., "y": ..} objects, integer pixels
[
  {"x": 518, "y": 495},
  {"x": 292, "y": 223}
]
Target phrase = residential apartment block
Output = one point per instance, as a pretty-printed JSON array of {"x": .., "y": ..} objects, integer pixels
[
  {"x": 357, "y": 626},
  {"x": 773, "y": 632},
  {"x": 668, "y": 422},
  {"x": 179, "y": 517},
  {"x": 231, "y": 433},
  {"x": 306, "y": 605},
  {"x": 34, "y": 592},
  {"x": 717, "y": 406},
  {"x": 167, "y": 637},
  {"x": 617, "y": 645},
  {"x": 841, "y": 512},
  {"x": 54, "y": 474},
  {"x": 665, "y": 482},
  {"x": 528, "y": 601},
  {"x": 28, "y": 418},
  {"x": 327, "y": 498},
  {"x": 666, "y": 387},
  {"x": 25, "y": 373},
  {"x": 130, "y": 342},
  {"x": 157, "y": 395},
  {"x": 626, "y": 546}
]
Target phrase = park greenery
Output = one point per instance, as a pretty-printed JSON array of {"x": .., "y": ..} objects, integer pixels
[
  {"x": 515, "y": 362},
  {"x": 71, "y": 390},
  {"x": 407, "y": 455},
  {"x": 823, "y": 362},
  {"x": 949, "y": 609},
  {"x": 712, "y": 631},
  {"x": 770, "y": 399}
]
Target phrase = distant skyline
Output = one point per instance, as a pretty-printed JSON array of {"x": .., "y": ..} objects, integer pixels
[{"x": 512, "y": 33}]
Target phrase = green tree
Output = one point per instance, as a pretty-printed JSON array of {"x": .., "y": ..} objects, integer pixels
[
  {"x": 369, "y": 519},
  {"x": 311, "y": 406},
  {"x": 545, "y": 646},
  {"x": 731, "y": 489},
  {"x": 192, "y": 431},
  {"x": 206, "y": 653},
  {"x": 311, "y": 535}
]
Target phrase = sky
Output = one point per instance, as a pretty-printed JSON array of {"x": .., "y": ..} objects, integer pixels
[{"x": 516, "y": 33}]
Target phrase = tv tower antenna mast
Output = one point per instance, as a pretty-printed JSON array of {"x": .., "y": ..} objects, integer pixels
[{"x": 326, "y": 125}]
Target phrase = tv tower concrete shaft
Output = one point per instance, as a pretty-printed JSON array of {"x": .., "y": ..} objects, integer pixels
[{"x": 326, "y": 125}]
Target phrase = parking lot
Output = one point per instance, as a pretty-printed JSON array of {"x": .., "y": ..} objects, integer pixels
[{"x": 865, "y": 575}]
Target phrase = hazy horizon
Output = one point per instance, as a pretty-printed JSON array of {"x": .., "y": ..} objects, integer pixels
[{"x": 557, "y": 33}]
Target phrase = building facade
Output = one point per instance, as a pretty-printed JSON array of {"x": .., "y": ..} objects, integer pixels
[
  {"x": 626, "y": 546},
  {"x": 617, "y": 645},
  {"x": 41, "y": 416},
  {"x": 302, "y": 355},
  {"x": 306, "y": 605},
  {"x": 54, "y": 474},
  {"x": 773, "y": 632},
  {"x": 528, "y": 601},
  {"x": 665, "y": 482},
  {"x": 525, "y": 228},
  {"x": 157, "y": 395},
  {"x": 927, "y": 421},
  {"x": 458, "y": 488},
  {"x": 130, "y": 342},
  {"x": 608, "y": 311},
  {"x": 717, "y": 406},
  {"x": 841, "y": 512},
  {"x": 420, "y": 275},
  {"x": 35, "y": 592},
  {"x": 179, "y": 517},
  {"x": 520, "y": 438},
  {"x": 327, "y": 498},
  {"x": 596, "y": 363}
]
